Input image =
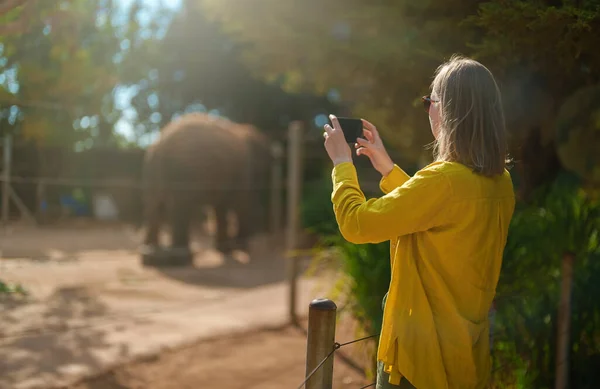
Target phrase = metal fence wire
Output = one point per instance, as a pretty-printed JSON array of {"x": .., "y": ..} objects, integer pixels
[{"x": 336, "y": 346}]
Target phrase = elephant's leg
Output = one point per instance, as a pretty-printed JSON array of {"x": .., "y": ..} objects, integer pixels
[
  {"x": 222, "y": 243},
  {"x": 153, "y": 195},
  {"x": 181, "y": 212},
  {"x": 244, "y": 211},
  {"x": 153, "y": 218}
]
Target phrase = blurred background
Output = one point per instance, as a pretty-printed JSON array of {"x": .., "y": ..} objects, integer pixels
[{"x": 87, "y": 86}]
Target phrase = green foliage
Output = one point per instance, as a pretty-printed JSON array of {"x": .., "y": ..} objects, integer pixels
[
  {"x": 12, "y": 289},
  {"x": 59, "y": 70},
  {"x": 367, "y": 268},
  {"x": 68, "y": 73},
  {"x": 563, "y": 220},
  {"x": 182, "y": 72},
  {"x": 316, "y": 209},
  {"x": 376, "y": 56},
  {"x": 578, "y": 133},
  {"x": 555, "y": 40},
  {"x": 381, "y": 56}
]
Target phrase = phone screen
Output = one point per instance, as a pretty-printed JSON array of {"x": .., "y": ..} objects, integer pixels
[{"x": 352, "y": 129}]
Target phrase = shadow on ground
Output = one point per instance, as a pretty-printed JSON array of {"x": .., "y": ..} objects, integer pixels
[
  {"x": 66, "y": 241},
  {"x": 264, "y": 264},
  {"x": 40, "y": 350}
]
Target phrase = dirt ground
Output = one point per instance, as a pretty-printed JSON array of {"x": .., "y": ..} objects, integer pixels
[
  {"x": 268, "y": 359},
  {"x": 80, "y": 272},
  {"x": 71, "y": 238}
]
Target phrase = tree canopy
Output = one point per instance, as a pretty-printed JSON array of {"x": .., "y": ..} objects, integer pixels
[
  {"x": 58, "y": 71},
  {"x": 197, "y": 65},
  {"x": 382, "y": 55},
  {"x": 69, "y": 69},
  {"x": 64, "y": 66}
]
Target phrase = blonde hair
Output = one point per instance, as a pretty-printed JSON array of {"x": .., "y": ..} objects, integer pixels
[{"x": 472, "y": 126}]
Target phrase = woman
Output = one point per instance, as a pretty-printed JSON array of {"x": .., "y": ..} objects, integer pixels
[{"x": 447, "y": 226}]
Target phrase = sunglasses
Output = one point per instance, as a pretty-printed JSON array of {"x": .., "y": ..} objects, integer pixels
[{"x": 427, "y": 102}]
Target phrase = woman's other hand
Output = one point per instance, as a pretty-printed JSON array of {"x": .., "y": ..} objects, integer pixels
[
  {"x": 335, "y": 143},
  {"x": 373, "y": 148}
]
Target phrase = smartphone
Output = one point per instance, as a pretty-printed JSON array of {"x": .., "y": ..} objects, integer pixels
[{"x": 352, "y": 129}]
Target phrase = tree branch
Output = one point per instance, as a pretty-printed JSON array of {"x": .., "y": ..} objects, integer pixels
[
  {"x": 22, "y": 23},
  {"x": 9, "y": 5},
  {"x": 13, "y": 28}
]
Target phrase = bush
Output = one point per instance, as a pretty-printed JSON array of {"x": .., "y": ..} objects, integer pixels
[
  {"x": 563, "y": 220},
  {"x": 12, "y": 289},
  {"x": 316, "y": 209},
  {"x": 366, "y": 270}
]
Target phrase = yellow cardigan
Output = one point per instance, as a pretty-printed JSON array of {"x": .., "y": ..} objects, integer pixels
[{"x": 448, "y": 228}]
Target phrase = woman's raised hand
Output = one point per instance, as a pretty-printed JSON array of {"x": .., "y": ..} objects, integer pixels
[
  {"x": 335, "y": 143},
  {"x": 373, "y": 148}
]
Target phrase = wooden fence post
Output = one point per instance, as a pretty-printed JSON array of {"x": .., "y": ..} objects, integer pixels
[
  {"x": 564, "y": 323},
  {"x": 276, "y": 186},
  {"x": 320, "y": 343},
  {"x": 294, "y": 190},
  {"x": 6, "y": 167},
  {"x": 41, "y": 201}
]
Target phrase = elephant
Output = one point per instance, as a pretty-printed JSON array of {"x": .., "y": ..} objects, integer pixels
[{"x": 201, "y": 160}]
